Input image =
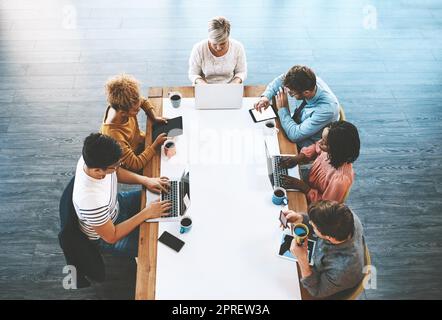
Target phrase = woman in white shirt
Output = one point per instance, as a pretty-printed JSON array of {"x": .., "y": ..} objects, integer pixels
[{"x": 218, "y": 59}]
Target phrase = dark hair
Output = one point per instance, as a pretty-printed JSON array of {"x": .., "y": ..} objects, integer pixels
[
  {"x": 332, "y": 219},
  {"x": 100, "y": 151},
  {"x": 343, "y": 143},
  {"x": 300, "y": 78}
]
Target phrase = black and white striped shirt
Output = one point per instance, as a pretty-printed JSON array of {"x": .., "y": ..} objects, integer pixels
[{"x": 95, "y": 200}]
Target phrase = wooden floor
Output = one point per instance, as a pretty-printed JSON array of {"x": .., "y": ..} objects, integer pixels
[{"x": 387, "y": 74}]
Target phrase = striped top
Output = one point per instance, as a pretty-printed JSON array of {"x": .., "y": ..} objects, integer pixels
[{"x": 95, "y": 200}]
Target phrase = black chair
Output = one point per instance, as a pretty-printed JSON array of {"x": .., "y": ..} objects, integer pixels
[{"x": 78, "y": 250}]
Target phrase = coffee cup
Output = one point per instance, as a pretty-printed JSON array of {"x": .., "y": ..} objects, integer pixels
[
  {"x": 279, "y": 196},
  {"x": 169, "y": 148},
  {"x": 175, "y": 98},
  {"x": 185, "y": 224},
  {"x": 300, "y": 231},
  {"x": 270, "y": 128}
]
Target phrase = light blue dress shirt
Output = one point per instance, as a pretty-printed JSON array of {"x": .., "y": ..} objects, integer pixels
[{"x": 320, "y": 110}]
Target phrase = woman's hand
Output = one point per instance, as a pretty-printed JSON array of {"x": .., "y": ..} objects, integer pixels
[
  {"x": 159, "y": 141},
  {"x": 161, "y": 120},
  {"x": 288, "y": 182},
  {"x": 288, "y": 162}
]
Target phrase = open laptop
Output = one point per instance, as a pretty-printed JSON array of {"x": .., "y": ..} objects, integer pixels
[
  {"x": 275, "y": 170},
  {"x": 219, "y": 96},
  {"x": 179, "y": 195}
]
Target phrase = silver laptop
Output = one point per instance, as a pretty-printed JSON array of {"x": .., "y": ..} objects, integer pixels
[
  {"x": 179, "y": 195},
  {"x": 275, "y": 170},
  {"x": 218, "y": 96}
]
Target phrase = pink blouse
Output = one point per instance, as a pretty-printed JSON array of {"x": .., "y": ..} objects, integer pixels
[{"x": 326, "y": 182}]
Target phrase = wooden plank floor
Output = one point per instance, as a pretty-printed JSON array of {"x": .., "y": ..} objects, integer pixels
[{"x": 388, "y": 76}]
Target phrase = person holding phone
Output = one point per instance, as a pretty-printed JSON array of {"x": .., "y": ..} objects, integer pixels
[
  {"x": 120, "y": 122},
  {"x": 338, "y": 260},
  {"x": 317, "y": 106},
  {"x": 107, "y": 217}
]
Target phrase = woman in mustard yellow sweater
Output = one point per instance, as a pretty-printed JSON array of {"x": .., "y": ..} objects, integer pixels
[{"x": 120, "y": 121}]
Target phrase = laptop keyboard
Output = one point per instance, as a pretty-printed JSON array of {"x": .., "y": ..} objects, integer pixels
[
  {"x": 172, "y": 196},
  {"x": 278, "y": 171}
]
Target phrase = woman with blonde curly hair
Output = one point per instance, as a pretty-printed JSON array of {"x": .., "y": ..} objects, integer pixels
[{"x": 120, "y": 121}]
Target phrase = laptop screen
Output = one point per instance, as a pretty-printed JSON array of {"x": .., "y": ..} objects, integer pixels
[{"x": 269, "y": 164}]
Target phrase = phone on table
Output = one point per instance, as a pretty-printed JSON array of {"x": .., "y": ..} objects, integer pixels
[
  {"x": 171, "y": 241},
  {"x": 283, "y": 219}
]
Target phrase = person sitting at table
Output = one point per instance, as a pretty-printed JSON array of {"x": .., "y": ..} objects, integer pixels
[
  {"x": 317, "y": 105},
  {"x": 120, "y": 122},
  {"x": 331, "y": 174},
  {"x": 219, "y": 59},
  {"x": 106, "y": 216},
  {"x": 338, "y": 260}
]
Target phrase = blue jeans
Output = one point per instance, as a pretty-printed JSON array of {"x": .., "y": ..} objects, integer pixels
[{"x": 129, "y": 203}]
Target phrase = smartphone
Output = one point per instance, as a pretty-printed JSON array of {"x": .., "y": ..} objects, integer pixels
[
  {"x": 283, "y": 219},
  {"x": 171, "y": 241}
]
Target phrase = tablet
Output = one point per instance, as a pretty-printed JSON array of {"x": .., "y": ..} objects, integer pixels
[{"x": 267, "y": 114}]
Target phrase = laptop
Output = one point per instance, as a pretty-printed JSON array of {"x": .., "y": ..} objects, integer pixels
[
  {"x": 179, "y": 195},
  {"x": 275, "y": 170},
  {"x": 219, "y": 96}
]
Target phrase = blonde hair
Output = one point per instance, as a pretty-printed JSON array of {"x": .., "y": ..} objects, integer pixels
[
  {"x": 123, "y": 91},
  {"x": 219, "y": 29}
]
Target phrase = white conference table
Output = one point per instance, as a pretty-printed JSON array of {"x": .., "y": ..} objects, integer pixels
[{"x": 231, "y": 250}]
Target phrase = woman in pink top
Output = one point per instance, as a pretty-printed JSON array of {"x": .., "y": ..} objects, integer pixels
[{"x": 331, "y": 174}]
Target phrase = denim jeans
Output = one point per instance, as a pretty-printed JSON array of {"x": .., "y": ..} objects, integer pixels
[{"x": 129, "y": 203}]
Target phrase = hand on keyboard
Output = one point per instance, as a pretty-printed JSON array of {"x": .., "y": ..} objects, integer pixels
[
  {"x": 156, "y": 209},
  {"x": 288, "y": 162},
  {"x": 157, "y": 185}
]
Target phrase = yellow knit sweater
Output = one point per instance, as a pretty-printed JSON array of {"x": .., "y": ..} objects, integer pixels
[{"x": 131, "y": 140}]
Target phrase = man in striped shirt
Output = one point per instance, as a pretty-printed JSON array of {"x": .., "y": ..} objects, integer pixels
[{"x": 106, "y": 216}]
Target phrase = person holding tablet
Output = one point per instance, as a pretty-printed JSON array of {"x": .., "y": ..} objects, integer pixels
[
  {"x": 317, "y": 105},
  {"x": 219, "y": 59},
  {"x": 120, "y": 122}
]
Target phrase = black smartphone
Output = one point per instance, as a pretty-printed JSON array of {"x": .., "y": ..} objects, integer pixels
[
  {"x": 171, "y": 241},
  {"x": 283, "y": 219}
]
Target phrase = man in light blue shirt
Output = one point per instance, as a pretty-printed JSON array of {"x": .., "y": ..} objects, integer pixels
[{"x": 317, "y": 106}]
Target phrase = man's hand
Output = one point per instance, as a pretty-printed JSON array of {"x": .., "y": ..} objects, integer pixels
[
  {"x": 159, "y": 141},
  {"x": 162, "y": 120},
  {"x": 262, "y": 104},
  {"x": 157, "y": 185},
  {"x": 281, "y": 99},
  {"x": 288, "y": 182},
  {"x": 288, "y": 162},
  {"x": 300, "y": 252},
  {"x": 293, "y": 216},
  {"x": 156, "y": 209}
]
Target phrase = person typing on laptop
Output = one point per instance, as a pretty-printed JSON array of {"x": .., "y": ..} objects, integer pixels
[
  {"x": 317, "y": 105},
  {"x": 219, "y": 59},
  {"x": 340, "y": 249},
  {"x": 331, "y": 175},
  {"x": 107, "y": 217}
]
